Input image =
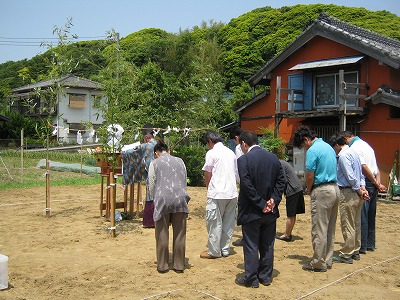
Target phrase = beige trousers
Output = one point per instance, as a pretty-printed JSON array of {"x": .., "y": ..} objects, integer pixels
[
  {"x": 324, "y": 209},
  {"x": 350, "y": 221},
  {"x": 178, "y": 221}
]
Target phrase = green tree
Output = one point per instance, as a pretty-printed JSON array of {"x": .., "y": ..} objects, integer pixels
[
  {"x": 273, "y": 144},
  {"x": 12, "y": 129}
]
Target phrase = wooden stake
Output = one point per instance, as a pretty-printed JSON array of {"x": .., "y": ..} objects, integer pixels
[
  {"x": 108, "y": 196},
  {"x": 125, "y": 199},
  {"x": 131, "y": 198},
  {"x": 138, "y": 198},
  {"x": 101, "y": 193}
]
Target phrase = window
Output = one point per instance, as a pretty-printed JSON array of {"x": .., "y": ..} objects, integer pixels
[
  {"x": 394, "y": 112},
  {"x": 77, "y": 100},
  {"x": 326, "y": 89}
]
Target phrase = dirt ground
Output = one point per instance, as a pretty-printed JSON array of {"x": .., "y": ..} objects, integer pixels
[{"x": 71, "y": 255}]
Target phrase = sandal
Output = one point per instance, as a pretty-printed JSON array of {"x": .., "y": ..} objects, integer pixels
[{"x": 286, "y": 238}]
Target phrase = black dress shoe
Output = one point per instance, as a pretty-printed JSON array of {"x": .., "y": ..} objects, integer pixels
[
  {"x": 265, "y": 283},
  {"x": 309, "y": 267},
  {"x": 162, "y": 271},
  {"x": 242, "y": 282},
  {"x": 286, "y": 238},
  {"x": 178, "y": 271},
  {"x": 238, "y": 243}
]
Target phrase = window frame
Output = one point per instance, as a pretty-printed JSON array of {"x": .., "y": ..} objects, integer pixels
[
  {"x": 335, "y": 74},
  {"x": 76, "y": 100}
]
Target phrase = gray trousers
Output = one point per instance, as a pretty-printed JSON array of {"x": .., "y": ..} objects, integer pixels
[
  {"x": 178, "y": 221},
  {"x": 220, "y": 222}
]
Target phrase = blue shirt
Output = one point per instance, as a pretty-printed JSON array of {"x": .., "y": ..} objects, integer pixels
[
  {"x": 349, "y": 172},
  {"x": 321, "y": 159}
]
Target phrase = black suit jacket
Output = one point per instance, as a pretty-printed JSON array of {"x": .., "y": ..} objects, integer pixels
[{"x": 261, "y": 178}]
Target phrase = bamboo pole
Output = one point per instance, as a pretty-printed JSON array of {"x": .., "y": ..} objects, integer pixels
[
  {"x": 22, "y": 154},
  {"x": 48, "y": 189},
  {"x": 81, "y": 159},
  {"x": 112, "y": 200}
]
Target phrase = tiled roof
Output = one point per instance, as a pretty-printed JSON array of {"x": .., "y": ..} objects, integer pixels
[
  {"x": 380, "y": 47},
  {"x": 385, "y": 95},
  {"x": 68, "y": 81},
  {"x": 381, "y": 43}
]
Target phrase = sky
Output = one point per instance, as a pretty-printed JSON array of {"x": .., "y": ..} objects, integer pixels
[{"x": 25, "y": 24}]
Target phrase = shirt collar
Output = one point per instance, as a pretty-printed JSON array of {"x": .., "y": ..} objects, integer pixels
[
  {"x": 356, "y": 138},
  {"x": 343, "y": 149},
  {"x": 253, "y": 147}
]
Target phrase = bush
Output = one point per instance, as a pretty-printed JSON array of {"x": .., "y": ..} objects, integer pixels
[
  {"x": 193, "y": 155},
  {"x": 12, "y": 129},
  {"x": 271, "y": 143}
]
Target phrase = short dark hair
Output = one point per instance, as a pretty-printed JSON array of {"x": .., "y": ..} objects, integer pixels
[
  {"x": 213, "y": 136},
  {"x": 347, "y": 134},
  {"x": 337, "y": 139},
  {"x": 160, "y": 146},
  {"x": 250, "y": 138},
  {"x": 235, "y": 132},
  {"x": 301, "y": 134}
]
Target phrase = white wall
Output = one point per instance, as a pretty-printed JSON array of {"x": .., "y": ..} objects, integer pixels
[{"x": 67, "y": 115}]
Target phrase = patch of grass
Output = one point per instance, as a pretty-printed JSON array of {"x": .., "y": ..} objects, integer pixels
[{"x": 12, "y": 176}]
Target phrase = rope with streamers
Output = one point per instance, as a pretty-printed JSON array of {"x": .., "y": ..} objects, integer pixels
[{"x": 347, "y": 276}]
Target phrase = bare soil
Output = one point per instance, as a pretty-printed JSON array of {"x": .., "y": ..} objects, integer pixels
[{"x": 71, "y": 255}]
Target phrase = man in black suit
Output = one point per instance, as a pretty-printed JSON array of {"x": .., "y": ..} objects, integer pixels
[{"x": 262, "y": 183}]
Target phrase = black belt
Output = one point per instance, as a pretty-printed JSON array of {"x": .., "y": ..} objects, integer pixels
[
  {"x": 323, "y": 183},
  {"x": 344, "y": 187}
]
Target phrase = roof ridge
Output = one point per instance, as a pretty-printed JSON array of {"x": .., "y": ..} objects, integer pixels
[{"x": 360, "y": 31}]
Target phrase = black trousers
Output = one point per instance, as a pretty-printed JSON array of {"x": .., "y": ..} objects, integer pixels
[{"x": 258, "y": 249}]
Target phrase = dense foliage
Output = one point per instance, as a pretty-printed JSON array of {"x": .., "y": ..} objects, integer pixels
[
  {"x": 193, "y": 73},
  {"x": 195, "y": 78}
]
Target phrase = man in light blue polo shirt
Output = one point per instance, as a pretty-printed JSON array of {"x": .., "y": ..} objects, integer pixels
[{"x": 321, "y": 181}]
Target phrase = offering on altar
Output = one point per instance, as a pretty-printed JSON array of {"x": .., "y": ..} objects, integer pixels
[
  {"x": 108, "y": 161},
  {"x": 115, "y": 132}
]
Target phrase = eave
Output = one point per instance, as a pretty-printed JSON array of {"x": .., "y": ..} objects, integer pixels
[
  {"x": 381, "y": 96},
  {"x": 252, "y": 101}
]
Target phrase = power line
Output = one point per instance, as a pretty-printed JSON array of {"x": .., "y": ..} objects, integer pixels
[
  {"x": 26, "y": 38},
  {"x": 18, "y": 42},
  {"x": 52, "y": 38},
  {"x": 20, "y": 45},
  {"x": 38, "y": 42}
]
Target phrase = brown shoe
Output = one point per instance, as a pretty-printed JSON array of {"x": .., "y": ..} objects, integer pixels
[{"x": 206, "y": 255}]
